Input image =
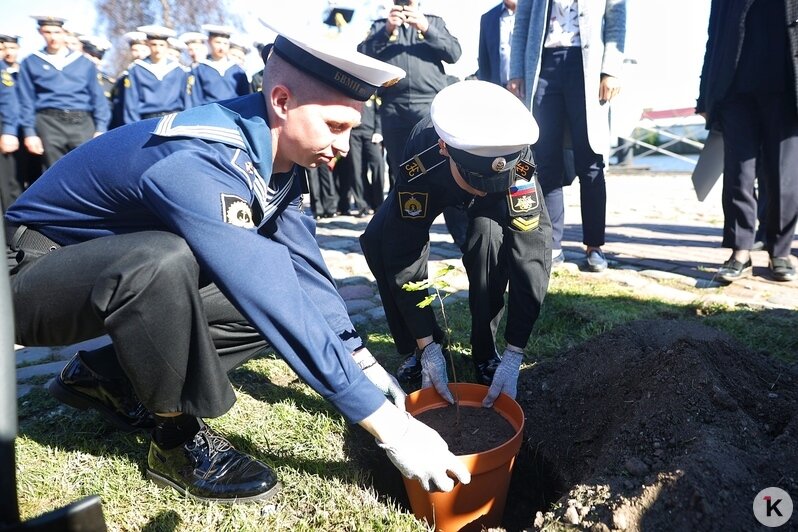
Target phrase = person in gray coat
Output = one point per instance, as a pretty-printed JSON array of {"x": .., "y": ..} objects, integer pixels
[{"x": 565, "y": 60}]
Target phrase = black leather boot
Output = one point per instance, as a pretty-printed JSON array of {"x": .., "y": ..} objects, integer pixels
[
  {"x": 80, "y": 387},
  {"x": 209, "y": 468},
  {"x": 484, "y": 370}
]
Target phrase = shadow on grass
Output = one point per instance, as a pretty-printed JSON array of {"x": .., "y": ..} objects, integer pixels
[{"x": 165, "y": 521}]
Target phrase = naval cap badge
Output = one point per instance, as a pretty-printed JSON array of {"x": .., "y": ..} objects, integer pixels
[{"x": 498, "y": 164}]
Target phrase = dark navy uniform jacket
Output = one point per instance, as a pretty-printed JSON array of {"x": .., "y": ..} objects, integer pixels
[
  {"x": 8, "y": 104},
  {"x": 206, "y": 175},
  {"x": 420, "y": 55},
  {"x": 397, "y": 237},
  {"x": 153, "y": 89},
  {"x": 67, "y": 82},
  {"x": 215, "y": 81}
]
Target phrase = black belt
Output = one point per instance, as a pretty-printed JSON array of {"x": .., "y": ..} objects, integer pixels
[
  {"x": 65, "y": 115},
  {"x": 23, "y": 237},
  {"x": 145, "y": 116}
]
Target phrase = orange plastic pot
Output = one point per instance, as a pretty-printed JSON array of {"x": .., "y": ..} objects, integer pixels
[{"x": 479, "y": 504}]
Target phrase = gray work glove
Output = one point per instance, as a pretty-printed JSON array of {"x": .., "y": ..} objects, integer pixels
[
  {"x": 433, "y": 371},
  {"x": 422, "y": 454},
  {"x": 384, "y": 381},
  {"x": 506, "y": 377}
]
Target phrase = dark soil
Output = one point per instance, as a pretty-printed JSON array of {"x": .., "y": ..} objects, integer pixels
[
  {"x": 657, "y": 425},
  {"x": 477, "y": 429}
]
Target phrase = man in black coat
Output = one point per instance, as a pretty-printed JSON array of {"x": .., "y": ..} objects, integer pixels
[{"x": 748, "y": 90}]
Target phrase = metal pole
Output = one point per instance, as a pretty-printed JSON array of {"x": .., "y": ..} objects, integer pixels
[{"x": 9, "y": 509}]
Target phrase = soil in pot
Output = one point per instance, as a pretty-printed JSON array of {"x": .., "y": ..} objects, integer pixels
[{"x": 478, "y": 430}]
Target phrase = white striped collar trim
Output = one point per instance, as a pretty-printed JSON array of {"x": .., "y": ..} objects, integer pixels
[
  {"x": 160, "y": 71},
  {"x": 58, "y": 61},
  {"x": 231, "y": 137},
  {"x": 221, "y": 66}
]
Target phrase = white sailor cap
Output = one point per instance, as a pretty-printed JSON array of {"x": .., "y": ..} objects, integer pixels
[
  {"x": 193, "y": 36},
  {"x": 135, "y": 37},
  {"x": 354, "y": 74},
  {"x": 487, "y": 131},
  {"x": 237, "y": 41},
  {"x": 101, "y": 44},
  {"x": 156, "y": 32},
  {"x": 9, "y": 38},
  {"x": 216, "y": 29},
  {"x": 176, "y": 44},
  {"x": 48, "y": 20}
]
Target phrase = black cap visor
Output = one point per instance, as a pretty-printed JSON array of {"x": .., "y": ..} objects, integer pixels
[{"x": 488, "y": 174}]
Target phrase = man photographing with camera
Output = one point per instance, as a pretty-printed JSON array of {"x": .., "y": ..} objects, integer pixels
[{"x": 405, "y": 12}]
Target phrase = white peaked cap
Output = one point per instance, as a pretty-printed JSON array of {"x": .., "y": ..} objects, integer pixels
[
  {"x": 483, "y": 119},
  {"x": 341, "y": 67}
]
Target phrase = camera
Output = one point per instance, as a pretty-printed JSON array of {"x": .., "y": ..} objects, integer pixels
[{"x": 401, "y": 2}]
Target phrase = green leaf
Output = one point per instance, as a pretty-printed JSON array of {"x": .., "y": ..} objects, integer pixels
[{"x": 427, "y": 301}]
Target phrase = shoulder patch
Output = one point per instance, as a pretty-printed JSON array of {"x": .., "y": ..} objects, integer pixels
[
  {"x": 413, "y": 205},
  {"x": 6, "y": 78},
  {"x": 236, "y": 211},
  {"x": 522, "y": 198}
]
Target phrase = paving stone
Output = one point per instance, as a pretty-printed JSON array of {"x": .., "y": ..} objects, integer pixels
[
  {"x": 358, "y": 305},
  {"x": 51, "y": 368},
  {"x": 356, "y": 291},
  {"x": 23, "y": 390}
]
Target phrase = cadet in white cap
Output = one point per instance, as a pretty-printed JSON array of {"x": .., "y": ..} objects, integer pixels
[
  {"x": 478, "y": 157},
  {"x": 181, "y": 238},
  {"x": 238, "y": 50},
  {"x": 94, "y": 47},
  {"x": 61, "y": 104},
  {"x": 157, "y": 85},
  {"x": 218, "y": 77},
  {"x": 197, "y": 44},
  {"x": 137, "y": 41}
]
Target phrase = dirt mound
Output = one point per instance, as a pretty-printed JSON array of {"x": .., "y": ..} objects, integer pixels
[{"x": 659, "y": 425}]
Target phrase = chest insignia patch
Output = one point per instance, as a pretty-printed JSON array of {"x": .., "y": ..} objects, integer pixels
[
  {"x": 413, "y": 204},
  {"x": 236, "y": 211}
]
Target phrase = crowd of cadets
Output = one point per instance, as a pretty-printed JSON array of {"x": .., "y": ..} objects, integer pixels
[{"x": 58, "y": 97}]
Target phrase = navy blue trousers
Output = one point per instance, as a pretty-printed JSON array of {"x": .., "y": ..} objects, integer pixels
[
  {"x": 559, "y": 101},
  {"x": 760, "y": 126}
]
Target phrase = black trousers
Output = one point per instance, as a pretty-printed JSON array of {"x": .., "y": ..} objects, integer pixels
[
  {"x": 363, "y": 156},
  {"x": 323, "y": 195},
  {"x": 752, "y": 122},
  {"x": 495, "y": 256},
  {"x": 62, "y": 132},
  {"x": 560, "y": 100},
  {"x": 10, "y": 188},
  {"x": 175, "y": 335}
]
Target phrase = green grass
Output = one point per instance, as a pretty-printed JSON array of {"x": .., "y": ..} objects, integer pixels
[{"x": 334, "y": 477}]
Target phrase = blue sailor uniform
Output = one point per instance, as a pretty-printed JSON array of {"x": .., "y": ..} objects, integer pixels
[
  {"x": 154, "y": 90},
  {"x": 9, "y": 120},
  {"x": 215, "y": 81},
  {"x": 194, "y": 188},
  {"x": 508, "y": 240},
  {"x": 61, "y": 100}
]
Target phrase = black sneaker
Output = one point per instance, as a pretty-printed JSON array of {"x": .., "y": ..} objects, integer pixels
[
  {"x": 734, "y": 269},
  {"x": 80, "y": 387},
  {"x": 209, "y": 468},
  {"x": 410, "y": 370},
  {"x": 782, "y": 269},
  {"x": 484, "y": 370}
]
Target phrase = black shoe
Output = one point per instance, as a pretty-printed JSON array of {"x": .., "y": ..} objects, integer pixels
[
  {"x": 782, "y": 269},
  {"x": 484, "y": 370},
  {"x": 410, "y": 370},
  {"x": 209, "y": 468},
  {"x": 80, "y": 387},
  {"x": 734, "y": 269}
]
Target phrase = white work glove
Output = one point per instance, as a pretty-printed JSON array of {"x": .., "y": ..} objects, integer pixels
[
  {"x": 422, "y": 454},
  {"x": 506, "y": 377},
  {"x": 383, "y": 380},
  {"x": 433, "y": 371}
]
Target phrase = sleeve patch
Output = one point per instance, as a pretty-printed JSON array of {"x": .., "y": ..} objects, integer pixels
[
  {"x": 236, "y": 211},
  {"x": 413, "y": 205}
]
